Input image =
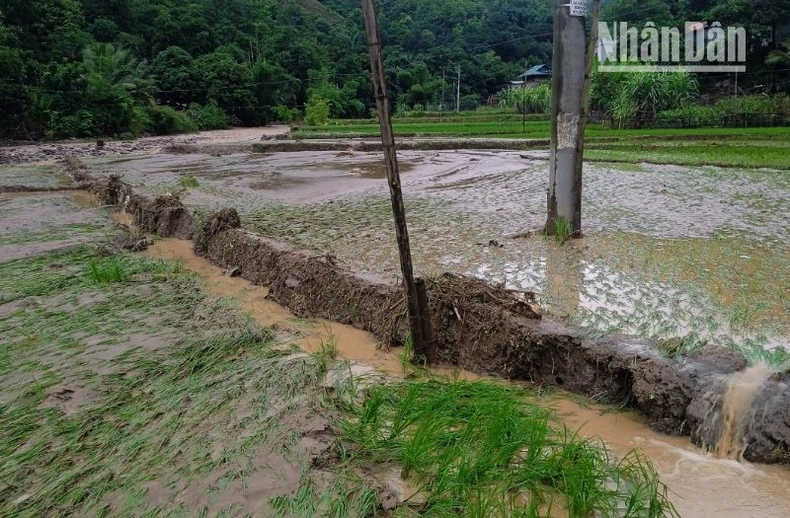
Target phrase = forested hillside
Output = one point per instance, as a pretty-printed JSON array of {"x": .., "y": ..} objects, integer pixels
[
  {"x": 94, "y": 67},
  {"x": 129, "y": 67}
]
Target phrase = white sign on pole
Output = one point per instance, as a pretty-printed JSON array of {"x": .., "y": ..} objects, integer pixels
[{"x": 578, "y": 7}]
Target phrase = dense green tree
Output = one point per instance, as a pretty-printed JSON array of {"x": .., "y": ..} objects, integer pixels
[
  {"x": 173, "y": 69},
  {"x": 272, "y": 87},
  {"x": 222, "y": 79},
  {"x": 117, "y": 67},
  {"x": 115, "y": 79},
  {"x": 779, "y": 57},
  {"x": 14, "y": 69}
]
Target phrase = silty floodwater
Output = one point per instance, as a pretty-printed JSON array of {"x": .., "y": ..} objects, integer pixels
[
  {"x": 701, "y": 485},
  {"x": 696, "y": 254}
]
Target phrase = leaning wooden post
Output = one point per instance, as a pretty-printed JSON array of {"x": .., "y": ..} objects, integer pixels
[{"x": 417, "y": 314}]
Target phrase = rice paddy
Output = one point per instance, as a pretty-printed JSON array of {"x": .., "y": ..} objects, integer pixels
[
  {"x": 723, "y": 147},
  {"x": 127, "y": 390},
  {"x": 671, "y": 252}
]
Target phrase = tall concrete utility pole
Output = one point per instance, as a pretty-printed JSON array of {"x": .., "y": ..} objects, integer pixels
[
  {"x": 567, "y": 121},
  {"x": 416, "y": 299}
]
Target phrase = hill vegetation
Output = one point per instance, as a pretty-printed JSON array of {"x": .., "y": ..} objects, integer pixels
[{"x": 85, "y": 68}]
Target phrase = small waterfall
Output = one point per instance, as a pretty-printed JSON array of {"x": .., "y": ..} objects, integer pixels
[{"x": 742, "y": 390}]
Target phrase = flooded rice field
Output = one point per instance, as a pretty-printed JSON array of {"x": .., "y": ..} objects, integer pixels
[
  {"x": 688, "y": 255},
  {"x": 725, "y": 281}
]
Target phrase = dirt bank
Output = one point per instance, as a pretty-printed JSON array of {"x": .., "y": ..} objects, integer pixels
[
  {"x": 690, "y": 474},
  {"x": 164, "y": 216},
  {"x": 482, "y": 329},
  {"x": 487, "y": 335}
]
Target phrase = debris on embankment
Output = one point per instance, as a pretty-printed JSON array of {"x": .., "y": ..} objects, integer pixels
[{"x": 164, "y": 215}]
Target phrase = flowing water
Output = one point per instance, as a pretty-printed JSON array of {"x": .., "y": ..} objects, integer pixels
[
  {"x": 742, "y": 389},
  {"x": 701, "y": 485}
]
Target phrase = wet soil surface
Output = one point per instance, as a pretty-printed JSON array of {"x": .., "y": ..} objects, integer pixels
[
  {"x": 693, "y": 253},
  {"x": 695, "y": 479},
  {"x": 127, "y": 387},
  {"x": 41, "y": 176},
  {"x": 77, "y": 345},
  {"x": 20, "y": 153},
  {"x": 34, "y": 223}
]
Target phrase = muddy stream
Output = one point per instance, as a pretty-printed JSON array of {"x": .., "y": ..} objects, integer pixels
[{"x": 701, "y": 484}]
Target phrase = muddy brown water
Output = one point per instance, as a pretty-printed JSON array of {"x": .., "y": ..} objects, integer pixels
[
  {"x": 742, "y": 390},
  {"x": 697, "y": 479},
  {"x": 701, "y": 484}
]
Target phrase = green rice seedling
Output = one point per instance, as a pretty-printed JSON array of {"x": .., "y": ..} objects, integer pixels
[
  {"x": 108, "y": 270},
  {"x": 406, "y": 357},
  {"x": 756, "y": 351},
  {"x": 642, "y": 492},
  {"x": 189, "y": 181},
  {"x": 681, "y": 347},
  {"x": 150, "y": 400},
  {"x": 563, "y": 229},
  {"x": 327, "y": 352},
  {"x": 473, "y": 446},
  {"x": 347, "y": 496},
  {"x": 304, "y": 504}
]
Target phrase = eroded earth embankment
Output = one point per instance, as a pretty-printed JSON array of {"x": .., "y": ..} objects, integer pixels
[{"x": 483, "y": 329}]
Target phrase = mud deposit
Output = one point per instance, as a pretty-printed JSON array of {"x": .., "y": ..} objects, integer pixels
[
  {"x": 128, "y": 390},
  {"x": 23, "y": 153},
  {"x": 34, "y": 223},
  {"x": 489, "y": 335},
  {"x": 696, "y": 254}
]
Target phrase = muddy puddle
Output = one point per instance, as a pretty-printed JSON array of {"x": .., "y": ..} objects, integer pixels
[{"x": 697, "y": 480}]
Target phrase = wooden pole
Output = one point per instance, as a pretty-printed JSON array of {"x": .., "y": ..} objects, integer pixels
[{"x": 416, "y": 313}]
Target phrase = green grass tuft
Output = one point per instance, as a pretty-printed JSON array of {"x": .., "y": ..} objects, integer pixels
[
  {"x": 108, "y": 270},
  {"x": 681, "y": 347},
  {"x": 327, "y": 352},
  {"x": 189, "y": 181}
]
